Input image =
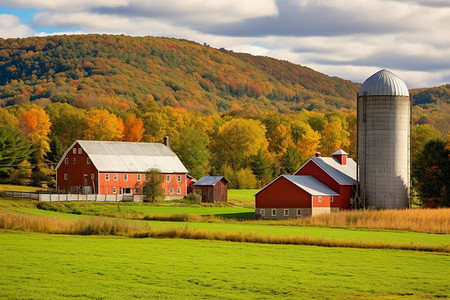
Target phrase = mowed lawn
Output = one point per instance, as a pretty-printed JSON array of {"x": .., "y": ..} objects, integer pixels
[{"x": 42, "y": 266}]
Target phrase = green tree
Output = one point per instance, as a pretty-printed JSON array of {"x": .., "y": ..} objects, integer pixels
[
  {"x": 432, "y": 172},
  {"x": 152, "y": 189},
  {"x": 192, "y": 149},
  {"x": 420, "y": 134},
  {"x": 68, "y": 122},
  {"x": 290, "y": 161},
  {"x": 13, "y": 151},
  {"x": 261, "y": 167},
  {"x": 56, "y": 149}
]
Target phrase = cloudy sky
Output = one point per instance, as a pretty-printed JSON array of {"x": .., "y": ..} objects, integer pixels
[{"x": 351, "y": 39}]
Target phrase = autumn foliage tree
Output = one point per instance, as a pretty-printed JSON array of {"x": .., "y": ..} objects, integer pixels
[
  {"x": 103, "y": 126},
  {"x": 35, "y": 125},
  {"x": 238, "y": 140},
  {"x": 133, "y": 129}
]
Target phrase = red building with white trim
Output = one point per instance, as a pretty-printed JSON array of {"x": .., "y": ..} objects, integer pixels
[
  {"x": 104, "y": 167},
  {"x": 328, "y": 179}
]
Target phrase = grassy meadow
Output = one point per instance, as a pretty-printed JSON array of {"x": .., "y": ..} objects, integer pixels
[
  {"x": 176, "y": 249},
  {"x": 41, "y": 266}
]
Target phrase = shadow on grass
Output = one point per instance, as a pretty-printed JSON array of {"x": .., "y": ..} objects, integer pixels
[{"x": 237, "y": 216}]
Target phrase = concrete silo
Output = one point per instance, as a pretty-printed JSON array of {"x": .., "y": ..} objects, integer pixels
[{"x": 384, "y": 118}]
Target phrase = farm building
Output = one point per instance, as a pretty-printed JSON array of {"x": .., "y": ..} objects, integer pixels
[
  {"x": 212, "y": 188},
  {"x": 105, "y": 167},
  {"x": 384, "y": 124},
  {"x": 321, "y": 185}
]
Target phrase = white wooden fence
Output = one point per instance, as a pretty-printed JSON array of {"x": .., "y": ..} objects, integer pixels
[{"x": 75, "y": 197}]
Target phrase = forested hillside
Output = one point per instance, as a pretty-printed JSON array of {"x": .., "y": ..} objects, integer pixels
[
  {"x": 246, "y": 117},
  {"x": 91, "y": 70}
]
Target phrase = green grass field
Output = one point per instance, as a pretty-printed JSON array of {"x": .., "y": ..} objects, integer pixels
[
  {"x": 41, "y": 266},
  {"x": 19, "y": 188},
  {"x": 242, "y": 197},
  {"x": 51, "y": 266}
]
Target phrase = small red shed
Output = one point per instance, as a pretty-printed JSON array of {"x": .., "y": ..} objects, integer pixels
[
  {"x": 190, "y": 183},
  {"x": 212, "y": 188}
]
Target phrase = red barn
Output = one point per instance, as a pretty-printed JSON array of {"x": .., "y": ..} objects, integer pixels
[
  {"x": 294, "y": 195},
  {"x": 104, "y": 167}
]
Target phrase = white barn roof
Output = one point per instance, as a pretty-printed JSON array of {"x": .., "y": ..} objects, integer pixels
[
  {"x": 343, "y": 174},
  {"x": 310, "y": 185},
  {"x": 110, "y": 156},
  {"x": 307, "y": 183},
  {"x": 384, "y": 83}
]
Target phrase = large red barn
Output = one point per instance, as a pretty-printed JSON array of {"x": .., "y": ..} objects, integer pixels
[
  {"x": 328, "y": 179},
  {"x": 105, "y": 167}
]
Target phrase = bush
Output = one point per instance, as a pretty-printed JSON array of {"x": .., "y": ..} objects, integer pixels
[{"x": 193, "y": 198}]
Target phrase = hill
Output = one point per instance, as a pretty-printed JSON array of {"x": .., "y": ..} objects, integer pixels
[{"x": 92, "y": 70}]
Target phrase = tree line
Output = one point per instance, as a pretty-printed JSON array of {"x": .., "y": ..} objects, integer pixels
[{"x": 250, "y": 149}]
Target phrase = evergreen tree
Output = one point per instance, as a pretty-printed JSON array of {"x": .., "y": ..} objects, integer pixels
[
  {"x": 290, "y": 161},
  {"x": 261, "y": 167},
  {"x": 13, "y": 150},
  {"x": 432, "y": 172}
]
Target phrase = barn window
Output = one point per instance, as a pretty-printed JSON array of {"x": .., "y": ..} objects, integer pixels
[
  {"x": 138, "y": 177},
  {"x": 88, "y": 161},
  {"x": 178, "y": 190},
  {"x": 179, "y": 178},
  {"x": 170, "y": 191},
  {"x": 331, "y": 199},
  {"x": 274, "y": 212},
  {"x": 92, "y": 176},
  {"x": 74, "y": 150},
  {"x": 66, "y": 176},
  {"x": 168, "y": 178},
  {"x": 299, "y": 212},
  {"x": 320, "y": 198},
  {"x": 107, "y": 176},
  {"x": 262, "y": 212},
  {"x": 286, "y": 212},
  {"x": 114, "y": 190},
  {"x": 115, "y": 176},
  {"x": 74, "y": 160},
  {"x": 80, "y": 151},
  {"x": 125, "y": 177},
  {"x": 66, "y": 161}
]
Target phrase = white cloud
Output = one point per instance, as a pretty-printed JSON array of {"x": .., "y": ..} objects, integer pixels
[
  {"x": 349, "y": 39},
  {"x": 10, "y": 27},
  {"x": 58, "y": 5}
]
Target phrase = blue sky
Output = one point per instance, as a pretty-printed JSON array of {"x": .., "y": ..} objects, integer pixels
[{"x": 351, "y": 39}]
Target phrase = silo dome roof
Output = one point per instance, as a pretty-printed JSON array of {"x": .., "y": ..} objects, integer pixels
[{"x": 384, "y": 83}]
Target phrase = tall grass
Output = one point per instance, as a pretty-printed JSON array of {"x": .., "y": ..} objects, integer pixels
[
  {"x": 102, "y": 226},
  {"x": 417, "y": 220}
]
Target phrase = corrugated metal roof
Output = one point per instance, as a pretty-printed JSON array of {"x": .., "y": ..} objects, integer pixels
[
  {"x": 310, "y": 185},
  {"x": 343, "y": 174},
  {"x": 384, "y": 83},
  {"x": 110, "y": 156},
  {"x": 209, "y": 180}
]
